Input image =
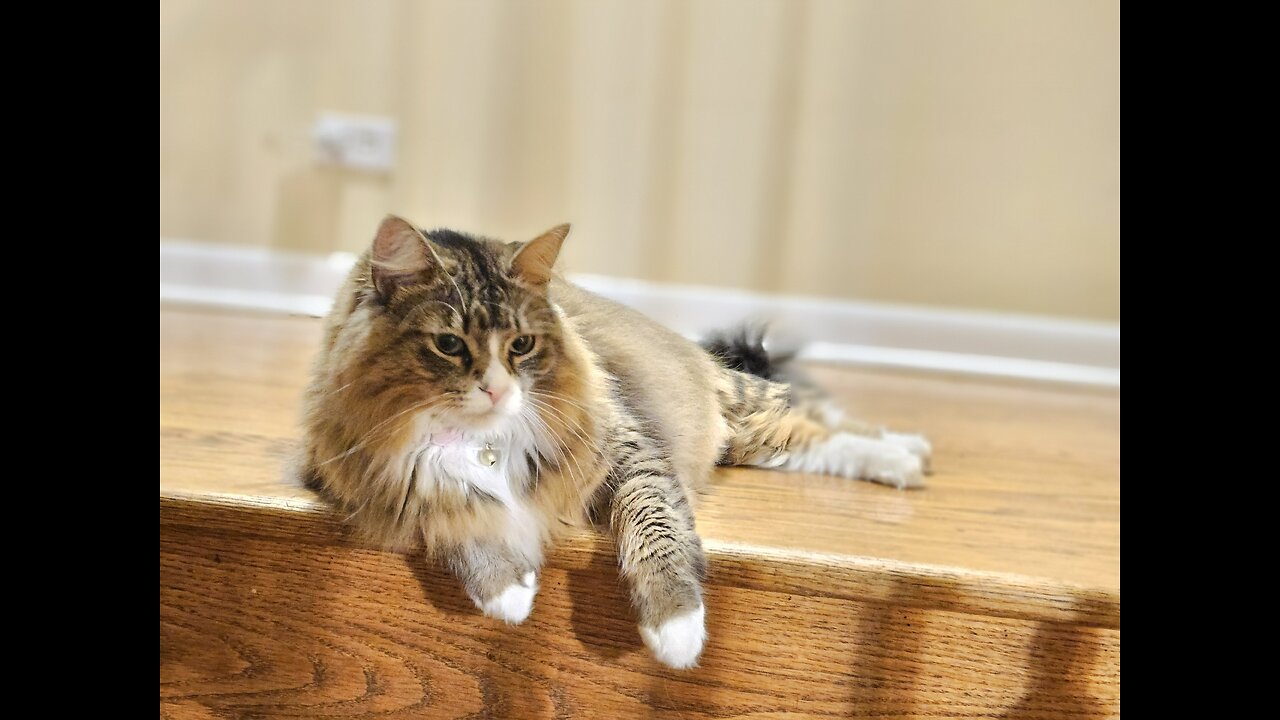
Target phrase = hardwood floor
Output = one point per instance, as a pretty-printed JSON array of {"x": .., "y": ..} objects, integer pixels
[{"x": 993, "y": 592}]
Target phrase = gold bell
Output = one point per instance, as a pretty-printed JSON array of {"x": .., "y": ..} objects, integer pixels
[{"x": 488, "y": 455}]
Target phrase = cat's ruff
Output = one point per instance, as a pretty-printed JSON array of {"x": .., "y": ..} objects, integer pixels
[{"x": 452, "y": 461}]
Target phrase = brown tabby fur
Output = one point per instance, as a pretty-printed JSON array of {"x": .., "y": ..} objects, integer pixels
[{"x": 636, "y": 415}]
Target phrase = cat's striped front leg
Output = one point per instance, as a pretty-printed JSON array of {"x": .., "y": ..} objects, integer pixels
[{"x": 660, "y": 554}]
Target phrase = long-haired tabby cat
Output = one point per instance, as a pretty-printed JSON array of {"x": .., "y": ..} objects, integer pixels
[{"x": 469, "y": 401}]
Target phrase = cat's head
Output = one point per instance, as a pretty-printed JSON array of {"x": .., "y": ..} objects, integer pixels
[{"x": 461, "y": 326}]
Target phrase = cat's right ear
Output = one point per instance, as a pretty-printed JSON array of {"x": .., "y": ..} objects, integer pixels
[{"x": 400, "y": 254}]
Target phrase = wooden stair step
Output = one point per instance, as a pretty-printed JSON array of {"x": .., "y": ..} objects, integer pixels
[{"x": 994, "y": 592}]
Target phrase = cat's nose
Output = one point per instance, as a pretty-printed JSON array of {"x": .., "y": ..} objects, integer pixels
[{"x": 494, "y": 393}]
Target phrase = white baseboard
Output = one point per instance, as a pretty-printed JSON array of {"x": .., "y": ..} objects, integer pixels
[{"x": 841, "y": 331}]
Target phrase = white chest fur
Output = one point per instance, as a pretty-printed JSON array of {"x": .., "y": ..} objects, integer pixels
[
  {"x": 459, "y": 467},
  {"x": 447, "y": 464},
  {"x": 495, "y": 465}
]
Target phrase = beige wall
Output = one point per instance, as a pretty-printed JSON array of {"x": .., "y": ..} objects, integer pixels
[{"x": 960, "y": 153}]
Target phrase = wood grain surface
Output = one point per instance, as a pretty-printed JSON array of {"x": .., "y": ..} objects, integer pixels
[{"x": 993, "y": 593}]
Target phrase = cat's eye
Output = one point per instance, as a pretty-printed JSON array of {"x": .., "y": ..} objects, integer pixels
[
  {"x": 450, "y": 344},
  {"x": 522, "y": 345}
]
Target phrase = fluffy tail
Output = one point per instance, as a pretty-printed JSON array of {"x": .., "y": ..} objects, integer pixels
[{"x": 742, "y": 348}]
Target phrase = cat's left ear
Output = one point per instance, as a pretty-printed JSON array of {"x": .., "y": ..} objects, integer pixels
[{"x": 534, "y": 260}]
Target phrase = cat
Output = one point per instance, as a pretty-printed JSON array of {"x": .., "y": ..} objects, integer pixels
[{"x": 469, "y": 401}]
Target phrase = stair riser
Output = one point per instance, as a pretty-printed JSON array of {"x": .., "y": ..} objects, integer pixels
[{"x": 278, "y": 627}]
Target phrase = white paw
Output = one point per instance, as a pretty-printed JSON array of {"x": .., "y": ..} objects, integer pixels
[
  {"x": 677, "y": 642},
  {"x": 864, "y": 458},
  {"x": 892, "y": 465},
  {"x": 514, "y": 603}
]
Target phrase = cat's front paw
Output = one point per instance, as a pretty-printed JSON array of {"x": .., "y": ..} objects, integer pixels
[
  {"x": 677, "y": 641},
  {"x": 514, "y": 603}
]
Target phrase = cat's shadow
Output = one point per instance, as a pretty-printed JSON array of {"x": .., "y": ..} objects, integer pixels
[
  {"x": 600, "y": 613},
  {"x": 439, "y": 587}
]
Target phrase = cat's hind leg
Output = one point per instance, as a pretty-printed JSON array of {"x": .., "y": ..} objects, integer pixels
[
  {"x": 769, "y": 429},
  {"x": 856, "y": 457}
]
